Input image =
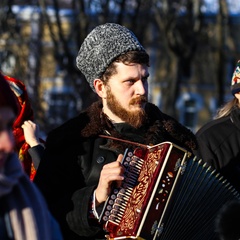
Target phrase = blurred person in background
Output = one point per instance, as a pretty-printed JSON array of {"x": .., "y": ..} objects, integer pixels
[
  {"x": 219, "y": 140},
  {"x": 23, "y": 212},
  {"x": 29, "y": 145}
]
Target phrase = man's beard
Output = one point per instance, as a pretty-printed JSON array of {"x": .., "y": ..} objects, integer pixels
[{"x": 135, "y": 118}]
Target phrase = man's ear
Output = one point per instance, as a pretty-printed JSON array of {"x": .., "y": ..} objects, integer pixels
[{"x": 99, "y": 88}]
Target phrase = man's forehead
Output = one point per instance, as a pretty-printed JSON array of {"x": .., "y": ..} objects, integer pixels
[{"x": 131, "y": 67}]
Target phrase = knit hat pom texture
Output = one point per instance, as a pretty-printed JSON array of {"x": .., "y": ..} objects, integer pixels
[
  {"x": 102, "y": 45},
  {"x": 235, "y": 85}
]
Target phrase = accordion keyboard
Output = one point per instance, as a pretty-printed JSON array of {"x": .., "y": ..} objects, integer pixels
[{"x": 116, "y": 204}]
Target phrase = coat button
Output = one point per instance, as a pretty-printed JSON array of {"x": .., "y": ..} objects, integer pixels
[{"x": 100, "y": 159}]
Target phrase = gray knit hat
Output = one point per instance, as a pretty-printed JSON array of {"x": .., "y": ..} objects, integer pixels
[{"x": 102, "y": 45}]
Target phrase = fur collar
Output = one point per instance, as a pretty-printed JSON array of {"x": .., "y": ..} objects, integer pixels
[{"x": 159, "y": 127}]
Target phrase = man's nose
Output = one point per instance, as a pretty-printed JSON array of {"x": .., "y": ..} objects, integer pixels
[{"x": 141, "y": 88}]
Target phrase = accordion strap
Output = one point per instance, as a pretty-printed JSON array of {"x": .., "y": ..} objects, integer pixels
[{"x": 125, "y": 141}]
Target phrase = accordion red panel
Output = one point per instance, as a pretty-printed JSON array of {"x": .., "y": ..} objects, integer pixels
[{"x": 166, "y": 194}]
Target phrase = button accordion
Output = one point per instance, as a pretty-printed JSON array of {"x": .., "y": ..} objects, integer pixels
[{"x": 167, "y": 194}]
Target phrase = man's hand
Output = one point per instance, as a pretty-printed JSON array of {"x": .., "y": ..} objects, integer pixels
[{"x": 111, "y": 172}]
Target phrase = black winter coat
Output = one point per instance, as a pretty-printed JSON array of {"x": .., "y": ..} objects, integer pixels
[
  {"x": 75, "y": 155},
  {"x": 219, "y": 146}
]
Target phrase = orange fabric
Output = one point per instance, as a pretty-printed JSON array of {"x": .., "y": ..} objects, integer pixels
[{"x": 26, "y": 113}]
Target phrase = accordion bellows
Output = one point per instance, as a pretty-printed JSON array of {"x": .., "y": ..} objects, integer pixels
[{"x": 167, "y": 194}]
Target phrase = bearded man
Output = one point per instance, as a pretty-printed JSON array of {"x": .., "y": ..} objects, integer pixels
[{"x": 80, "y": 165}]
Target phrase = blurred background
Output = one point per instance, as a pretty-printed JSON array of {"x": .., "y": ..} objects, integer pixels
[{"x": 193, "y": 45}]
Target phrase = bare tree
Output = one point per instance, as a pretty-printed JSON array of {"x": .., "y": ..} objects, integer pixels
[
  {"x": 172, "y": 32},
  {"x": 222, "y": 35},
  {"x": 34, "y": 61},
  {"x": 180, "y": 24}
]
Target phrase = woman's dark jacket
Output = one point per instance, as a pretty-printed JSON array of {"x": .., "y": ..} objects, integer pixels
[
  {"x": 75, "y": 155},
  {"x": 219, "y": 146}
]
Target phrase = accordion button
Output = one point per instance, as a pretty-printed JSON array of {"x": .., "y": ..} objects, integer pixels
[{"x": 100, "y": 159}]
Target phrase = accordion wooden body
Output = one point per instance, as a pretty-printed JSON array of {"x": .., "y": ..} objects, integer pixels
[{"x": 166, "y": 194}]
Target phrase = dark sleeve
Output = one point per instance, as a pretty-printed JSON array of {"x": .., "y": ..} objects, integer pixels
[
  {"x": 36, "y": 154},
  {"x": 205, "y": 150},
  {"x": 77, "y": 219},
  {"x": 59, "y": 176}
]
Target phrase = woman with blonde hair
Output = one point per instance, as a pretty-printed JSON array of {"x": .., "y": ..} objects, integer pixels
[{"x": 219, "y": 140}]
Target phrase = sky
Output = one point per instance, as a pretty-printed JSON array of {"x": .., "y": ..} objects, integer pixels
[{"x": 211, "y": 6}]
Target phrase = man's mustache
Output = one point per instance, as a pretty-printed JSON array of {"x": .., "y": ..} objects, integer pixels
[{"x": 137, "y": 100}]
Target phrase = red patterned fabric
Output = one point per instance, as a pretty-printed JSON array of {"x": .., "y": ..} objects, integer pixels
[
  {"x": 26, "y": 113},
  {"x": 7, "y": 98}
]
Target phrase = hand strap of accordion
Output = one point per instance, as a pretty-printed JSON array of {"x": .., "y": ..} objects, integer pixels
[{"x": 125, "y": 141}]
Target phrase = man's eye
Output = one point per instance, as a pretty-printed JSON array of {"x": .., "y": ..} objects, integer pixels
[{"x": 131, "y": 81}]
